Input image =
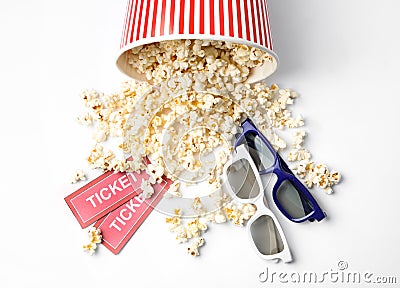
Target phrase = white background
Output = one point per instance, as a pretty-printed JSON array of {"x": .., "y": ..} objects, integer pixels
[{"x": 341, "y": 56}]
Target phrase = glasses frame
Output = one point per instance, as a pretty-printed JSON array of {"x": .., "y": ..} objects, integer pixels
[
  {"x": 282, "y": 171},
  {"x": 262, "y": 208}
]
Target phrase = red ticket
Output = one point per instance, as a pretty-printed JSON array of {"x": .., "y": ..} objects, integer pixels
[
  {"x": 119, "y": 225},
  {"x": 104, "y": 194}
]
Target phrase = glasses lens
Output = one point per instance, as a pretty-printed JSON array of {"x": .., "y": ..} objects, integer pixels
[
  {"x": 266, "y": 236},
  {"x": 262, "y": 156},
  {"x": 293, "y": 200},
  {"x": 243, "y": 180}
]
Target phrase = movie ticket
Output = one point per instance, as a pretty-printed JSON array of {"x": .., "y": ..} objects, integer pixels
[
  {"x": 119, "y": 225},
  {"x": 104, "y": 194}
]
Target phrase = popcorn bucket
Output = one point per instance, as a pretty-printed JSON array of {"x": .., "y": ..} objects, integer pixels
[{"x": 238, "y": 21}]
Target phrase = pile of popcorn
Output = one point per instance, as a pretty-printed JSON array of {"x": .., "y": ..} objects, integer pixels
[
  {"x": 200, "y": 63},
  {"x": 192, "y": 109},
  {"x": 194, "y": 228}
]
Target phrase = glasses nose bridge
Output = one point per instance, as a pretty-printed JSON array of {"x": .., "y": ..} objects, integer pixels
[{"x": 281, "y": 168}]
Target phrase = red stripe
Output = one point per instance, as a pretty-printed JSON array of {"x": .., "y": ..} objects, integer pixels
[
  {"x": 260, "y": 31},
  {"x": 239, "y": 17},
  {"x": 265, "y": 30},
  {"x": 122, "y": 42},
  {"x": 253, "y": 20},
  {"x": 153, "y": 27},
  {"x": 221, "y": 18},
  {"x": 230, "y": 12},
  {"x": 172, "y": 17},
  {"x": 201, "y": 30},
  {"x": 146, "y": 19},
  {"x": 133, "y": 22},
  {"x": 139, "y": 20},
  {"x": 246, "y": 16},
  {"x": 212, "y": 19},
  {"x": 269, "y": 28},
  {"x": 162, "y": 23},
  {"x": 182, "y": 17},
  {"x": 191, "y": 17}
]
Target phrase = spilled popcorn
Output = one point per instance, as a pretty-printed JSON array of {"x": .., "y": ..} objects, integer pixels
[
  {"x": 186, "y": 124},
  {"x": 193, "y": 249},
  {"x": 79, "y": 175},
  {"x": 317, "y": 174},
  {"x": 239, "y": 213},
  {"x": 147, "y": 188},
  {"x": 192, "y": 230},
  {"x": 95, "y": 238}
]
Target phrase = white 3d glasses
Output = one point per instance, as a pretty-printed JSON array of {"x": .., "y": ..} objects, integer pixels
[{"x": 243, "y": 182}]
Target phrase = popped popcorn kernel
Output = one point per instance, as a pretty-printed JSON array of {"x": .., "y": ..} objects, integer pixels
[
  {"x": 85, "y": 119},
  {"x": 298, "y": 155},
  {"x": 95, "y": 238},
  {"x": 238, "y": 214},
  {"x": 173, "y": 221},
  {"x": 90, "y": 248},
  {"x": 197, "y": 206},
  {"x": 147, "y": 188},
  {"x": 174, "y": 189},
  {"x": 195, "y": 227},
  {"x": 217, "y": 217},
  {"x": 79, "y": 175},
  {"x": 193, "y": 249},
  {"x": 181, "y": 234},
  {"x": 95, "y": 235}
]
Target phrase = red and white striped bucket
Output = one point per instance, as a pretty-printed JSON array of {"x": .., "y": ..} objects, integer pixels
[{"x": 238, "y": 21}]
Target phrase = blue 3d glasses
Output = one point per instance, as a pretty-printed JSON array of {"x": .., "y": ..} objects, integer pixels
[{"x": 290, "y": 196}]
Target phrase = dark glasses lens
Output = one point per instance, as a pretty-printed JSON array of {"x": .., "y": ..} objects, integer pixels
[
  {"x": 266, "y": 236},
  {"x": 293, "y": 201},
  {"x": 243, "y": 180},
  {"x": 262, "y": 156}
]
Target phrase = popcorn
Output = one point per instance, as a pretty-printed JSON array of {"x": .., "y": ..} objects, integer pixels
[
  {"x": 174, "y": 189},
  {"x": 163, "y": 60},
  {"x": 120, "y": 165},
  {"x": 173, "y": 221},
  {"x": 334, "y": 177},
  {"x": 248, "y": 210},
  {"x": 148, "y": 190},
  {"x": 155, "y": 171},
  {"x": 298, "y": 139},
  {"x": 95, "y": 235},
  {"x": 181, "y": 234},
  {"x": 194, "y": 248},
  {"x": 233, "y": 214},
  {"x": 216, "y": 217},
  {"x": 95, "y": 238},
  {"x": 299, "y": 154},
  {"x": 90, "y": 248},
  {"x": 195, "y": 227},
  {"x": 100, "y": 136},
  {"x": 85, "y": 119},
  {"x": 318, "y": 175},
  {"x": 89, "y": 95},
  {"x": 197, "y": 206},
  {"x": 239, "y": 214},
  {"x": 219, "y": 217},
  {"x": 78, "y": 176}
]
